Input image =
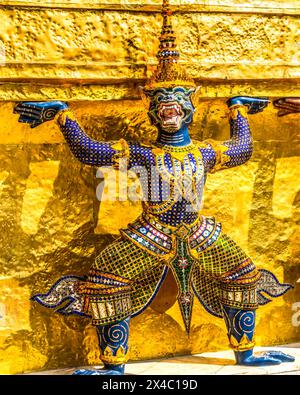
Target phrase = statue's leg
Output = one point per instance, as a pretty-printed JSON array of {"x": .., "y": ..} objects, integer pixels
[
  {"x": 238, "y": 297},
  {"x": 119, "y": 285},
  {"x": 113, "y": 343},
  {"x": 227, "y": 282},
  {"x": 241, "y": 326}
]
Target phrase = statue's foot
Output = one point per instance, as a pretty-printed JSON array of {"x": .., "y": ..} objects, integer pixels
[
  {"x": 281, "y": 356},
  {"x": 100, "y": 372},
  {"x": 117, "y": 370},
  {"x": 264, "y": 359}
]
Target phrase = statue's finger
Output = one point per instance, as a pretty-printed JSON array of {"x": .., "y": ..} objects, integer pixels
[
  {"x": 21, "y": 109},
  {"x": 278, "y": 102},
  {"x": 287, "y": 102},
  {"x": 284, "y": 107},
  {"x": 282, "y": 113},
  {"x": 290, "y": 105},
  {"x": 30, "y": 114},
  {"x": 25, "y": 119},
  {"x": 290, "y": 109},
  {"x": 18, "y": 108},
  {"x": 29, "y": 110},
  {"x": 293, "y": 100},
  {"x": 35, "y": 124},
  {"x": 32, "y": 104}
]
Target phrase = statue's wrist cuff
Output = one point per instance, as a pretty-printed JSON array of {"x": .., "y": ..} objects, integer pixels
[
  {"x": 236, "y": 105},
  {"x": 62, "y": 116},
  {"x": 236, "y": 109}
]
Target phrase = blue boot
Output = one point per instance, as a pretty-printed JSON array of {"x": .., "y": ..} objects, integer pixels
[
  {"x": 113, "y": 341},
  {"x": 241, "y": 324}
]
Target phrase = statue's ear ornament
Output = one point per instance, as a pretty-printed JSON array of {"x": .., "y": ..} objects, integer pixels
[{"x": 169, "y": 73}]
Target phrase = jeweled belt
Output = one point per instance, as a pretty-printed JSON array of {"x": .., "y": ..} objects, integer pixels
[{"x": 182, "y": 230}]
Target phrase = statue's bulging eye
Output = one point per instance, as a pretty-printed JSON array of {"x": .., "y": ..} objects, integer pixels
[
  {"x": 159, "y": 98},
  {"x": 180, "y": 98}
]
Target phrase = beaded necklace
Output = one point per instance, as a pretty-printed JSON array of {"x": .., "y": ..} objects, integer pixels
[{"x": 181, "y": 176}]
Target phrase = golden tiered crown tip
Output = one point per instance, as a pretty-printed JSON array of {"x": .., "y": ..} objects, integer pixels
[{"x": 169, "y": 73}]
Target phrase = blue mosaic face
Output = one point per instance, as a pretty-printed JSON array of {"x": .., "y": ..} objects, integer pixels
[{"x": 171, "y": 108}]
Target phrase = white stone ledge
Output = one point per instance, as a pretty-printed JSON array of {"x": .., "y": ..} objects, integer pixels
[{"x": 209, "y": 363}]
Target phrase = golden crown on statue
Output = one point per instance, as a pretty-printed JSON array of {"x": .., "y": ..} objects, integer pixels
[{"x": 168, "y": 73}]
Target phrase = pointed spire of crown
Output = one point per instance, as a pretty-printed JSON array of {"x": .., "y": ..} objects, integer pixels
[
  {"x": 168, "y": 73},
  {"x": 167, "y": 48}
]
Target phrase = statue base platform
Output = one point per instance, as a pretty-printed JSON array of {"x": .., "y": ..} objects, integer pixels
[{"x": 209, "y": 363}]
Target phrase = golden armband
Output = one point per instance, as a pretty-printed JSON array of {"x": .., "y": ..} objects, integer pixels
[
  {"x": 122, "y": 152},
  {"x": 61, "y": 116},
  {"x": 238, "y": 108}
]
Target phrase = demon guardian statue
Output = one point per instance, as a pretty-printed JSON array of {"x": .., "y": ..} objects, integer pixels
[{"x": 170, "y": 234}]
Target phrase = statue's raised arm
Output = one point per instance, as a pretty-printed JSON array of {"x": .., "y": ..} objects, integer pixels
[
  {"x": 238, "y": 149},
  {"x": 84, "y": 148}
]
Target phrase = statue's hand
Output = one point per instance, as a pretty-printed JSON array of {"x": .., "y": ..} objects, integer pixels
[
  {"x": 254, "y": 104},
  {"x": 266, "y": 358},
  {"x": 287, "y": 105},
  {"x": 36, "y": 113}
]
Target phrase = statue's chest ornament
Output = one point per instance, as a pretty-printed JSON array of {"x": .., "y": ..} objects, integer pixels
[{"x": 183, "y": 169}]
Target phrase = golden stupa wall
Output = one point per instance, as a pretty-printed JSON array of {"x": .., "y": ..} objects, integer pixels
[{"x": 94, "y": 54}]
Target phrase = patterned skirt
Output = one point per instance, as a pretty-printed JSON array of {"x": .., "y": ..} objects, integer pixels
[{"x": 125, "y": 278}]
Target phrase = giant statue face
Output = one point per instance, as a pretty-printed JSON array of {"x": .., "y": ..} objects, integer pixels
[{"x": 171, "y": 108}]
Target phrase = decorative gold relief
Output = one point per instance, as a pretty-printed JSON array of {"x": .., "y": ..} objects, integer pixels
[{"x": 75, "y": 44}]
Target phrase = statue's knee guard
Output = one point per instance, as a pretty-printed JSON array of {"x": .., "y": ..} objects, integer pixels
[{"x": 107, "y": 297}]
